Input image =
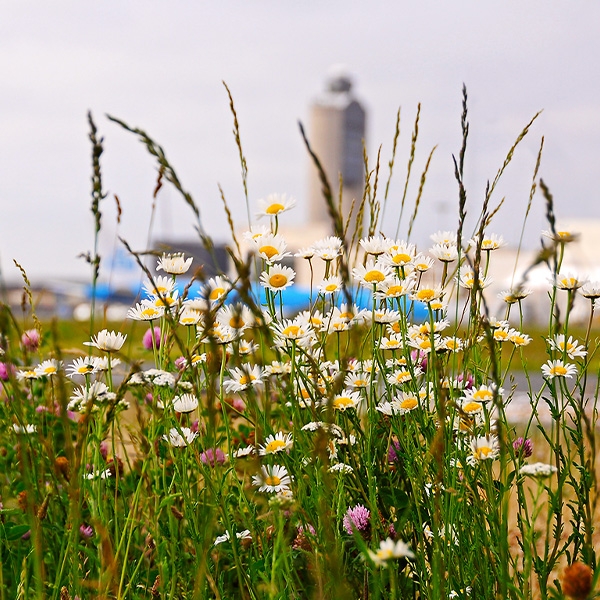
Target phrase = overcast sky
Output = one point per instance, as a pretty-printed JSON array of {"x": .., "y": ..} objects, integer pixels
[{"x": 160, "y": 66}]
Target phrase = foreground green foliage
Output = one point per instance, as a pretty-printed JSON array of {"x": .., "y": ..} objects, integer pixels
[{"x": 349, "y": 451}]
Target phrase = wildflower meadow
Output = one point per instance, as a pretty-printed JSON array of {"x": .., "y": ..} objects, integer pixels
[{"x": 360, "y": 448}]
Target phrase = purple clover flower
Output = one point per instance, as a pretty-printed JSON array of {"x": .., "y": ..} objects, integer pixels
[
  {"x": 31, "y": 340},
  {"x": 393, "y": 451},
  {"x": 147, "y": 339},
  {"x": 523, "y": 447},
  {"x": 212, "y": 457},
  {"x": 357, "y": 518},
  {"x": 86, "y": 531}
]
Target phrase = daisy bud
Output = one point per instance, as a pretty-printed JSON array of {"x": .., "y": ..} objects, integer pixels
[
  {"x": 62, "y": 466},
  {"x": 577, "y": 581}
]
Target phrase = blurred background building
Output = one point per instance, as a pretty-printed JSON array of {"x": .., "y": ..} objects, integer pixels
[{"x": 337, "y": 134}]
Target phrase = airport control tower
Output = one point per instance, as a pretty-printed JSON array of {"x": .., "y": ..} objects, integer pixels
[{"x": 337, "y": 133}]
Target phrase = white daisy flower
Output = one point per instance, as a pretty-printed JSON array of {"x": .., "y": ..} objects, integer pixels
[
  {"x": 375, "y": 245},
  {"x": 389, "y": 550},
  {"x": 48, "y": 368},
  {"x": 399, "y": 254},
  {"x": 159, "y": 286},
  {"x": 277, "y": 278},
  {"x": 274, "y": 205},
  {"x": 256, "y": 232},
  {"x": 331, "y": 285},
  {"x": 568, "y": 281},
  {"x": 513, "y": 295},
  {"x": 557, "y": 368},
  {"x": 446, "y": 253},
  {"x": 373, "y": 273},
  {"x": 186, "y": 403},
  {"x": 271, "y": 247},
  {"x": 237, "y": 316},
  {"x": 272, "y": 479},
  {"x": 216, "y": 288},
  {"x": 174, "y": 264},
  {"x": 279, "y": 442},
  {"x": 179, "y": 438},
  {"x": 444, "y": 237},
  {"x": 107, "y": 341},
  {"x": 570, "y": 346},
  {"x": 145, "y": 311},
  {"x": 563, "y": 236},
  {"x": 243, "y": 378},
  {"x": 346, "y": 400},
  {"x": 28, "y": 429},
  {"x": 82, "y": 366},
  {"x": 483, "y": 448}
]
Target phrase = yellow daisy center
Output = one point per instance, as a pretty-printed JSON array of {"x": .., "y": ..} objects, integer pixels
[
  {"x": 216, "y": 293},
  {"x": 558, "y": 370},
  {"x": 274, "y": 446},
  {"x": 278, "y": 280},
  {"x": 394, "y": 289},
  {"x": 50, "y": 370},
  {"x": 374, "y": 276},
  {"x": 331, "y": 287},
  {"x": 409, "y": 403},
  {"x": 396, "y": 327},
  {"x": 483, "y": 452},
  {"x": 347, "y": 315},
  {"x": 344, "y": 401},
  {"x": 483, "y": 395},
  {"x": 291, "y": 330},
  {"x": 472, "y": 407},
  {"x": 272, "y": 480},
  {"x": 275, "y": 208},
  {"x": 165, "y": 301},
  {"x": 361, "y": 382},
  {"x": 401, "y": 259},
  {"x": 426, "y": 294},
  {"x": 246, "y": 379},
  {"x": 236, "y": 322},
  {"x": 149, "y": 312},
  {"x": 499, "y": 334},
  {"x": 268, "y": 251}
]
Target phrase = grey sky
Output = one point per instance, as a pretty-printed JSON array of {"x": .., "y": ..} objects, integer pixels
[{"x": 159, "y": 66}]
